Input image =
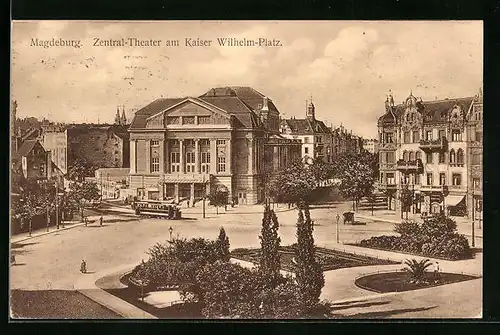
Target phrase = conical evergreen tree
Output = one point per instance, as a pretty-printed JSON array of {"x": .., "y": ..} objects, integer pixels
[
  {"x": 309, "y": 275},
  {"x": 222, "y": 245},
  {"x": 270, "y": 242}
]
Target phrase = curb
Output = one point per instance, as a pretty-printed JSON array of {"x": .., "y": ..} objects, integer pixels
[
  {"x": 375, "y": 218},
  {"x": 14, "y": 240},
  {"x": 86, "y": 286}
]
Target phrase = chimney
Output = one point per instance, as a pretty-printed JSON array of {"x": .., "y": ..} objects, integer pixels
[
  {"x": 265, "y": 106},
  {"x": 49, "y": 164}
]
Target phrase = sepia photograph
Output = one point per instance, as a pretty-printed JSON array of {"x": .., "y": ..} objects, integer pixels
[{"x": 255, "y": 170}]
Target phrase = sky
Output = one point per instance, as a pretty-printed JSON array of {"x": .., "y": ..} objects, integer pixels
[{"x": 347, "y": 67}]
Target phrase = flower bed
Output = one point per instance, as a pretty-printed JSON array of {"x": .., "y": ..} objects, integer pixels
[
  {"x": 436, "y": 237},
  {"x": 400, "y": 281},
  {"x": 327, "y": 258}
]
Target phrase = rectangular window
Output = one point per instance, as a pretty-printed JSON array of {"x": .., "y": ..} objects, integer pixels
[
  {"x": 479, "y": 136},
  {"x": 456, "y": 135},
  {"x": 457, "y": 179},
  {"x": 428, "y": 157},
  {"x": 154, "y": 143},
  {"x": 175, "y": 162},
  {"x": 221, "y": 142},
  {"x": 417, "y": 179},
  {"x": 306, "y": 139},
  {"x": 389, "y": 137},
  {"x": 476, "y": 182},
  {"x": 391, "y": 157},
  {"x": 416, "y": 137},
  {"x": 441, "y": 134},
  {"x": 205, "y": 162},
  {"x": 441, "y": 157},
  {"x": 155, "y": 164},
  {"x": 406, "y": 179},
  {"x": 173, "y": 120},
  {"x": 221, "y": 164},
  {"x": 406, "y": 137},
  {"x": 390, "y": 179},
  {"x": 476, "y": 159},
  {"x": 428, "y": 135},
  {"x": 203, "y": 119},
  {"x": 442, "y": 179},
  {"x": 190, "y": 162},
  {"x": 306, "y": 150},
  {"x": 382, "y": 157},
  {"x": 188, "y": 120},
  {"x": 429, "y": 179}
]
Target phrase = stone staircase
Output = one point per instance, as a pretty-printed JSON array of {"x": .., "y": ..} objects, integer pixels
[{"x": 379, "y": 204}]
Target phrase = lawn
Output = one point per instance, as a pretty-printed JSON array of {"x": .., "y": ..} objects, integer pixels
[
  {"x": 400, "y": 281},
  {"x": 56, "y": 304},
  {"x": 327, "y": 258}
]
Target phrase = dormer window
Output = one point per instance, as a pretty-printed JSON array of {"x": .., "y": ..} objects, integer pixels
[{"x": 259, "y": 106}]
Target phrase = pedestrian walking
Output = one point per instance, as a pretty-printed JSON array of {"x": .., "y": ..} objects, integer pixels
[
  {"x": 83, "y": 267},
  {"x": 13, "y": 259},
  {"x": 436, "y": 272},
  {"x": 100, "y": 220},
  {"x": 338, "y": 218},
  {"x": 85, "y": 220}
]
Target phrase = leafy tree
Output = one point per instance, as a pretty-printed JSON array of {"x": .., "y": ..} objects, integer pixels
[
  {"x": 294, "y": 184},
  {"x": 372, "y": 198},
  {"x": 270, "y": 242},
  {"x": 406, "y": 200},
  {"x": 309, "y": 275},
  {"x": 83, "y": 193},
  {"x": 416, "y": 269},
  {"x": 79, "y": 169},
  {"x": 33, "y": 199},
  {"x": 222, "y": 244},
  {"x": 217, "y": 197},
  {"x": 357, "y": 173},
  {"x": 320, "y": 170}
]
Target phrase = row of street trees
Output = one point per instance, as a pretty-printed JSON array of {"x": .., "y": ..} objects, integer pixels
[{"x": 34, "y": 198}]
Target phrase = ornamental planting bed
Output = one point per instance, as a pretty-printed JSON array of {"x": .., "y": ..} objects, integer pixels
[
  {"x": 328, "y": 259},
  {"x": 400, "y": 281}
]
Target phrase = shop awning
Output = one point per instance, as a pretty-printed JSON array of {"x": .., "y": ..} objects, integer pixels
[{"x": 453, "y": 200}]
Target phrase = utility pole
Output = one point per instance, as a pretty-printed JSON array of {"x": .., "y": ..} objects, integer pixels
[
  {"x": 473, "y": 218},
  {"x": 57, "y": 207}
]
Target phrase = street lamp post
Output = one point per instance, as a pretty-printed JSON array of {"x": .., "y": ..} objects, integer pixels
[
  {"x": 57, "y": 207},
  {"x": 473, "y": 218},
  {"x": 338, "y": 217}
]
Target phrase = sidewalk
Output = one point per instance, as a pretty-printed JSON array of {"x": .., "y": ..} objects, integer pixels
[
  {"x": 87, "y": 286},
  {"x": 238, "y": 209},
  {"x": 42, "y": 232},
  {"x": 463, "y": 224}
]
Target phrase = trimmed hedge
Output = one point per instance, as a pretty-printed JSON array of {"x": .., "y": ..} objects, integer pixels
[{"x": 436, "y": 237}]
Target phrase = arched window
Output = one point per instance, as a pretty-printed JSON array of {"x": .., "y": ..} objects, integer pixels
[
  {"x": 452, "y": 156},
  {"x": 412, "y": 156},
  {"x": 418, "y": 155},
  {"x": 405, "y": 156},
  {"x": 460, "y": 156}
]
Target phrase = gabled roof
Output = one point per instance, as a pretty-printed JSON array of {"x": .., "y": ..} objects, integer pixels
[
  {"x": 306, "y": 126},
  {"x": 26, "y": 147},
  {"x": 243, "y": 115},
  {"x": 157, "y": 106}
]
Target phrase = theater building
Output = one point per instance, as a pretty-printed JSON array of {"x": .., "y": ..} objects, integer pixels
[
  {"x": 423, "y": 148},
  {"x": 227, "y": 138}
]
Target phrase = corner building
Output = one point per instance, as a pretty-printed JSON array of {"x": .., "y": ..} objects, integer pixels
[
  {"x": 181, "y": 148},
  {"x": 424, "y": 147}
]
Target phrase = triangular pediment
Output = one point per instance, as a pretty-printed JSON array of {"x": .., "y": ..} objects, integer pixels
[{"x": 188, "y": 110}]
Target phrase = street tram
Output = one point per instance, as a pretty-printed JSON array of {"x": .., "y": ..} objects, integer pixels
[{"x": 157, "y": 209}]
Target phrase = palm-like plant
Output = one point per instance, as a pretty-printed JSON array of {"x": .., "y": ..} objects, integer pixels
[{"x": 416, "y": 269}]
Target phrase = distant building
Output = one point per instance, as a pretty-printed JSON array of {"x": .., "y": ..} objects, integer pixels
[
  {"x": 315, "y": 136},
  {"x": 120, "y": 120},
  {"x": 57, "y": 143},
  {"x": 35, "y": 163},
  {"x": 432, "y": 148},
  {"x": 101, "y": 146},
  {"x": 343, "y": 141},
  {"x": 475, "y": 158},
  {"x": 227, "y": 138},
  {"x": 111, "y": 180},
  {"x": 371, "y": 145}
]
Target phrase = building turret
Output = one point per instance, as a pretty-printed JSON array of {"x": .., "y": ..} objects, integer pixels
[
  {"x": 117, "y": 117},
  {"x": 310, "y": 112},
  {"x": 124, "y": 118}
]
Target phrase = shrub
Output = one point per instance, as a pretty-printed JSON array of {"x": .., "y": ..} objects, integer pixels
[
  {"x": 269, "y": 264},
  {"x": 416, "y": 269},
  {"x": 222, "y": 245}
]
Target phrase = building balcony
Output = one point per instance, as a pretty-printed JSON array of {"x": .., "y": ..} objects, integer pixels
[
  {"x": 434, "y": 188},
  {"x": 431, "y": 145},
  {"x": 386, "y": 187},
  {"x": 387, "y": 166},
  {"x": 410, "y": 166}
]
